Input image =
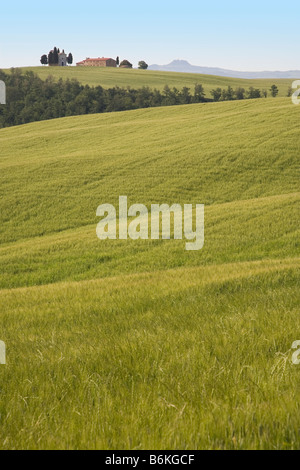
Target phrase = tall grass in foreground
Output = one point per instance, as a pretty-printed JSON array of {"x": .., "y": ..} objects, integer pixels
[
  {"x": 183, "y": 359},
  {"x": 142, "y": 345}
]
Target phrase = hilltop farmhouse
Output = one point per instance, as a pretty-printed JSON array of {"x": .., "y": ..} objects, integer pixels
[{"x": 99, "y": 62}]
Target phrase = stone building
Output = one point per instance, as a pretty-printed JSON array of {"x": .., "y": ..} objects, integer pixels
[
  {"x": 62, "y": 59},
  {"x": 99, "y": 62}
]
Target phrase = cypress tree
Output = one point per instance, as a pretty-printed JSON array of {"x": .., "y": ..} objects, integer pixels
[
  {"x": 51, "y": 58},
  {"x": 55, "y": 56}
]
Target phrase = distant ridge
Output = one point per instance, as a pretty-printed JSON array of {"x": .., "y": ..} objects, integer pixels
[{"x": 186, "y": 67}]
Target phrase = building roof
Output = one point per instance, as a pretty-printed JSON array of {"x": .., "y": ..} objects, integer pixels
[{"x": 99, "y": 59}]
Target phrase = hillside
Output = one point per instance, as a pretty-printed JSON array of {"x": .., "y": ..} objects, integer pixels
[
  {"x": 110, "y": 77},
  {"x": 176, "y": 349},
  {"x": 56, "y": 177}
]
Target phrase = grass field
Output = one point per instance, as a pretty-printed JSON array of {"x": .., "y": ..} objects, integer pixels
[
  {"x": 110, "y": 77},
  {"x": 134, "y": 345}
]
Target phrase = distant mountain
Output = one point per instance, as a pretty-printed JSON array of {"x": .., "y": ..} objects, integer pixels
[{"x": 184, "y": 66}]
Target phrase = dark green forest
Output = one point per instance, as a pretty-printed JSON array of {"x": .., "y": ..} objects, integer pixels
[{"x": 30, "y": 99}]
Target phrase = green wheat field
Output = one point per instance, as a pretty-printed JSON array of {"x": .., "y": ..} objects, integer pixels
[{"x": 141, "y": 344}]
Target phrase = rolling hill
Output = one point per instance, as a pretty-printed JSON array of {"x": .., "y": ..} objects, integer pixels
[
  {"x": 140, "y": 344},
  {"x": 110, "y": 77}
]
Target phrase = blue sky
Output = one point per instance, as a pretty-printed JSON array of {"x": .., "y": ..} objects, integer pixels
[{"x": 240, "y": 35}]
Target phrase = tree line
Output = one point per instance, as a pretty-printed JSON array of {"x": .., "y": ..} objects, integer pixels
[{"x": 30, "y": 99}]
